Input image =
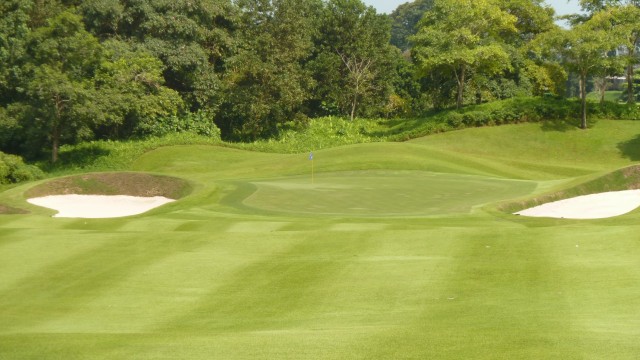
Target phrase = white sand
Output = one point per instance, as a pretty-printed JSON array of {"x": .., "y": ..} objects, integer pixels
[
  {"x": 99, "y": 206},
  {"x": 595, "y": 206}
]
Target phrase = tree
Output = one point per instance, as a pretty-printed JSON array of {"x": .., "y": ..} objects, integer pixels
[
  {"x": 62, "y": 57},
  {"x": 533, "y": 17},
  {"x": 594, "y": 6},
  {"x": 130, "y": 92},
  {"x": 405, "y": 18},
  {"x": 459, "y": 36},
  {"x": 267, "y": 82},
  {"x": 623, "y": 23},
  {"x": 57, "y": 103},
  {"x": 192, "y": 38},
  {"x": 583, "y": 50},
  {"x": 354, "y": 62},
  {"x": 14, "y": 31},
  {"x": 522, "y": 77}
]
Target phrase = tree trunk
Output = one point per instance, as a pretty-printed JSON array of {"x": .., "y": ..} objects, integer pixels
[
  {"x": 583, "y": 97},
  {"x": 580, "y": 89},
  {"x": 461, "y": 79},
  {"x": 354, "y": 103},
  {"x": 55, "y": 131},
  {"x": 603, "y": 88},
  {"x": 630, "y": 95},
  {"x": 55, "y": 140}
]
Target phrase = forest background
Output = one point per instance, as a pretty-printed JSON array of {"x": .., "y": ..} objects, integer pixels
[{"x": 243, "y": 70}]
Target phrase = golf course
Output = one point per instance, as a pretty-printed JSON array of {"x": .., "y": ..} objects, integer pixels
[{"x": 383, "y": 250}]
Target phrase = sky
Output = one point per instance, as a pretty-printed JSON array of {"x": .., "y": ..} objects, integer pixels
[{"x": 562, "y": 6}]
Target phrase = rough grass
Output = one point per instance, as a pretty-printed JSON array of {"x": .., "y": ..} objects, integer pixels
[
  {"x": 8, "y": 210},
  {"x": 121, "y": 183},
  {"x": 214, "y": 276}
]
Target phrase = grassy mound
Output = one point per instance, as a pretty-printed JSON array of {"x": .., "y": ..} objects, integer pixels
[
  {"x": 121, "y": 183},
  {"x": 608, "y": 146}
]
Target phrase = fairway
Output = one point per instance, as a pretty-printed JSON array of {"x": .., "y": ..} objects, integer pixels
[{"x": 392, "y": 251}]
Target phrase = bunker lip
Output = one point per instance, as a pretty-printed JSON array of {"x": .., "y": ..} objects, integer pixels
[
  {"x": 594, "y": 206},
  {"x": 99, "y": 206}
]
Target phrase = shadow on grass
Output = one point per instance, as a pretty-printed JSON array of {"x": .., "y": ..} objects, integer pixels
[
  {"x": 631, "y": 148},
  {"x": 81, "y": 156},
  {"x": 564, "y": 125},
  {"x": 8, "y": 210},
  {"x": 558, "y": 125}
]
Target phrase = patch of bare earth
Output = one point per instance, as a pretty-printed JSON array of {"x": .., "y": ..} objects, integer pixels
[{"x": 121, "y": 183}]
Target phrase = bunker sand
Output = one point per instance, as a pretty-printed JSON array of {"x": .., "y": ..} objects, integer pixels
[
  {"x": 594, "y": 206},
  {"x": 99, "y": 206}
]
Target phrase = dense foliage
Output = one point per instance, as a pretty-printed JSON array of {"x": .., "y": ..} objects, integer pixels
[
  {"x": 14, "y": 170},
  {"x": 75, "y": 71}
]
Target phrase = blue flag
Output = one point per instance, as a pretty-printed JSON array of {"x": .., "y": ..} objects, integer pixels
[{"x": 310, "y": 156}]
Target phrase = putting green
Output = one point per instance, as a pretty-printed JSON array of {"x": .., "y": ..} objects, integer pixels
[{"x": 383, "y": 193}]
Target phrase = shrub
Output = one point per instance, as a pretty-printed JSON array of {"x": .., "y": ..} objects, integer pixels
[
  {"x": 454, "y": 120},
  {"x": 612, "y": 110},
  {"x": 319, "y": 133},
  {"x": 476, "y": 118},
  {"x": 199, "y": 123},
  {"x": 509, "y": 111},
  {"x": 14, "y": 170}
]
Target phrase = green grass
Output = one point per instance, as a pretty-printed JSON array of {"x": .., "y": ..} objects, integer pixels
[
  {"x": 383, "y": 193},
  {"x": 611, "y": 95},
  {"x": 395, "y": 251}
]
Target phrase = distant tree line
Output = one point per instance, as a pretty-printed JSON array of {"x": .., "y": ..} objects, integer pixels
[{"x": 73, "y": 70}]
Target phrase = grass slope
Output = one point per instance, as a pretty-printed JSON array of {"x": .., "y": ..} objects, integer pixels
[
  {"x": 225, "y": 273},
  {"x": 119, "y": 183}
]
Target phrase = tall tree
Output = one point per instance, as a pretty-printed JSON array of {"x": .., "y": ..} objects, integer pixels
[
  {"x": 14, "y": 31},
  {"x": 405, "y": 18},
  {"x": 583, "y": 50},
  {"x": 534, "y": 17},
  {"x": 131, "y": 96},
  {"x": 267, "y": 81},
  {"x": 623, "y": 23},
  {"x": 460, "y": 36},
  {"x": 354, "y": 62},
  {"x": 524, "y": 77},
  {"x": 63, "y": 56},
  {"x": 193, "y": 38}
]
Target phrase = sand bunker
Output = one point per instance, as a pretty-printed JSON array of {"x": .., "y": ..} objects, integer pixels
[
  {"x": 595, "y": 206},
  {"x": 99, "y": 206}
]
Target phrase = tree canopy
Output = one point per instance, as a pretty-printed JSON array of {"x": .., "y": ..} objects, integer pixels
[
  {"x": 463, "y": 36},
  {"x": 115, "y": 69}
]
